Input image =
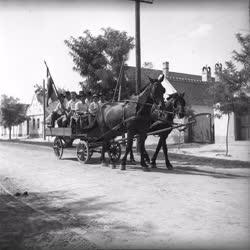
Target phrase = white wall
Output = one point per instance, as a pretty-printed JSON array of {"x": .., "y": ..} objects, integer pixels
[
  {"x": 220, "y": 127},
  {"x": 202, "y": 109}
]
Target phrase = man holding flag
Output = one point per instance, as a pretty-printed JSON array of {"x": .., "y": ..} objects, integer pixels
[
  {"x": 52, "y": 94},
  {"x": 59, "y": 112}
]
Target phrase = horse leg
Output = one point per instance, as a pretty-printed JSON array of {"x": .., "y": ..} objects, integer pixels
[
  {"x": 104, "y": 149},
  {"x": 146, "y": 156},
  {"x": 165, "y": 150},
  {"x": 132, "y": 159},
  {"x": 128, "y": 150},
  {"x": 142, "y": 152},
  {"x": 153, "y": 160}
]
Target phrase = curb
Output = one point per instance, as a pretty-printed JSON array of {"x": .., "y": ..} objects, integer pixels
[
  {"x": 211, "y": 160},
  {"x": 18, "y": 141}
]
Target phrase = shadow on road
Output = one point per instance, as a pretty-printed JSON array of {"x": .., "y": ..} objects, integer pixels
[
  {"x": 45, "y": 221},
  {"x": 197, "y": 160}
]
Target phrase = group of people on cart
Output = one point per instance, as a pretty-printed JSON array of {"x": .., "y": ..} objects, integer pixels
[{"x": 75, "y": 110}]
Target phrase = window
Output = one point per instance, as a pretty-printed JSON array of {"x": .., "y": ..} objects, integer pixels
[
  {"x": 38, "y": 123},
  {"x": 33, "y": 123}
]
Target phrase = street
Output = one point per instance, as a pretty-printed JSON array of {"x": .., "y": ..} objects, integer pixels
[{"x": 200, "y": 204}]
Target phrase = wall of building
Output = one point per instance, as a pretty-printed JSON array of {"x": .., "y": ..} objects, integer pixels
[
  {"x": 177, "y": 136},
  {"x": 220, "y": 125},
  {"x": 35, "y": 114},
  {"x": 202, "y": 109},
  {"x": 36, "y": 125}
]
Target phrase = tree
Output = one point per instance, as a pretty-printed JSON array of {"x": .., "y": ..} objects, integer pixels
[
  {"x": 230, "y": 92},
  {"x": 99, "y": 58},
  {"x": 148, "y": 65},
  {"x": 11, "y": 112}
]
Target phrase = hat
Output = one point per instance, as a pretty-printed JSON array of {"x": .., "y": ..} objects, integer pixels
[
  {"x": 81, "y": 93},
  {"x": 72, "y": 92}
]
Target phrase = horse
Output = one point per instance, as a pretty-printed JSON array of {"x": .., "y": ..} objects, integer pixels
[
  {"x": 162, "y": 118},
  {"x": 131, "y": 116},
  {"x": 175, "y": 106}
]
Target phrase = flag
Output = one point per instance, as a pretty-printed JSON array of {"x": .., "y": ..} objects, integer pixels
[{"x": 51, "y": 93}]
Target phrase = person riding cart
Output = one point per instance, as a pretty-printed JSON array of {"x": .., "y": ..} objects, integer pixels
[
  {"x": 93, "y": 108},
  {"x": 80, "y": 118},
  {"x": 58, "y": 113}
]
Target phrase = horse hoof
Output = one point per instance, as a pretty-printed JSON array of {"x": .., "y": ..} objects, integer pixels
[
  {"x": 132, "y": 162},
  {"x": 169, "y": 167},
  {"x": 153, "y": 165},
  {"x": 146, "y": 169},
  {"x": 123, "y": 167},
  {"x": 113, "y": 166},
  {"x": 104, "y": 164}
]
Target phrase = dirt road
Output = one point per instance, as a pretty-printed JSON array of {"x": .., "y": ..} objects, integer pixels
[{"x": 73, "y": 206}]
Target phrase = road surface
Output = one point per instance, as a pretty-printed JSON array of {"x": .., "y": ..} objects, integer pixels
[{"x": 73, "y": 206}]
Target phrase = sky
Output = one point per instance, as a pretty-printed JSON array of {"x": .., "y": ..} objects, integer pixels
[{"x": 188, "y": 34}]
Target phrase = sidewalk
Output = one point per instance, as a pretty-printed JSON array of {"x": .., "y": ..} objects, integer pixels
[{"x": 238, "y": 151}]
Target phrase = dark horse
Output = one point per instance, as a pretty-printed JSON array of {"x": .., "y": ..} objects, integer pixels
[
  {"x": 175, "y": 106},
  {"x": 132, "y": 116},
  {"x": 162, "y": 118}
]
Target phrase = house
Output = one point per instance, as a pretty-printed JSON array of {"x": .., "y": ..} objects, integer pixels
[
  {"x": 197, "y": 96},
  {"x": 33, "y": 126},
  {"x": 238, "y": 127},
  {"x": 35, "y": 115}
]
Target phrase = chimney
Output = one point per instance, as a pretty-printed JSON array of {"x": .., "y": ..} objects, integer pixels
[
  {"x": 165, "y": 69},
  {"x": 206, "y": 74},
  {"x": 218, "y": 71}
]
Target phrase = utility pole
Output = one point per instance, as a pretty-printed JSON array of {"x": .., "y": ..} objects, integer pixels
[
  {"x": 138, "y": 49},
  {"x": 138, "y": 42},
  {"x": 44, "y": 117}
]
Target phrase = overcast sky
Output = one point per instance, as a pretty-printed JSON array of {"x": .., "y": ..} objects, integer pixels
[{"x": 188, "y": 34}]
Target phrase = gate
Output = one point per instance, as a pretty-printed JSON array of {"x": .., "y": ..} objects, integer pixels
[
  {"x": 243, "y": 126},
  {"x": 202, "y": 130}
]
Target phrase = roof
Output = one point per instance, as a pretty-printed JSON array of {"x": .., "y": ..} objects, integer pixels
[
  {"x": 38, "y": 98},
  {"x": 196, "y": 91}
]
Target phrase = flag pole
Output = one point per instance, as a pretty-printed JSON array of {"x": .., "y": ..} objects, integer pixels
[
  {"x": 54, "y": 86},
  {"x": 44, "y": 118}
]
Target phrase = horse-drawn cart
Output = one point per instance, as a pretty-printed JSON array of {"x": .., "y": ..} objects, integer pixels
[{"x": 88, "y": 144}]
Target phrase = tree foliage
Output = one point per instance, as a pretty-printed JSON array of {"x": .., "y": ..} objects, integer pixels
[
  {"x": 230, "y": 92},
  {"x": 99, "y": 58},
  {"x": 12, "y": 112},
  {"x": 148, "y": 65}
]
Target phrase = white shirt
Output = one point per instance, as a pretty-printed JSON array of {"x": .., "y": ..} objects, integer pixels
[
  {"x": 72, "y": 104},
  {"x": 81, "y": 107},
  {"x": 59, "y": 109},
  {"x": 93, "y": 108}
]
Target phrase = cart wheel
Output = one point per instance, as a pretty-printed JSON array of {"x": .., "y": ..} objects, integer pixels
[
  {"x": 115, "y": 151},
  {"x": 83, "y": 152},
  {"x": 58, "y": 147}
]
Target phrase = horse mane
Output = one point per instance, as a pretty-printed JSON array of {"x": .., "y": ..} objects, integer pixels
[
  {"x": 171, "y": 96},
  {"x": 139, "y": 97},
  {"x": 142, "y": 97}
]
